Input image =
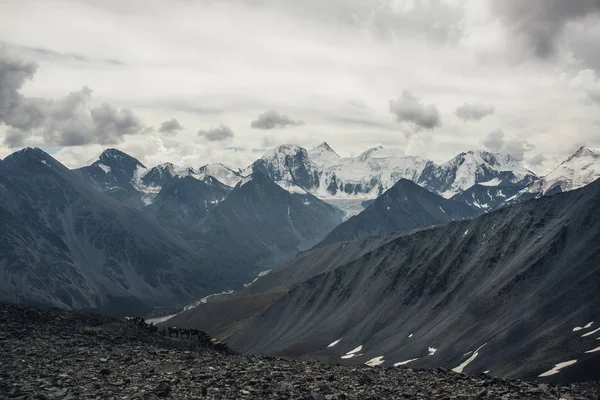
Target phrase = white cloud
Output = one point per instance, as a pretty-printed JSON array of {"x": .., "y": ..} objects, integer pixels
[{"x": 335, "y": 64}]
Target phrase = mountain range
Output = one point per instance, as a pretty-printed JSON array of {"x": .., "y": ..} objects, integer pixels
[{"x": 382, "y": 258}]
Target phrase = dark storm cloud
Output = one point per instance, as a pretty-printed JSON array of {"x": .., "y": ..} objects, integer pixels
[
  {"x": 541, "y": 23},
  {"x": 64, "y": 122},
  {"x": 217, "y": 133},
  {"x": 271, "y": 119},
  {"x": 516, "y": 147},
  {"x": 407, "y": 109},
  {"x": 170, "y": 127},
  {"x": 474, "y": 111}
]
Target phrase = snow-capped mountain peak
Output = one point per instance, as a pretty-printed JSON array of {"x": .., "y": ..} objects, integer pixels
[
  {"x": 323, "y": 154},
  {"x": 221, "y": 172},
  {"x": 580, "y": 169},
  {"x": 470, "y": 168},
  {"x": 283, "y": 151}
]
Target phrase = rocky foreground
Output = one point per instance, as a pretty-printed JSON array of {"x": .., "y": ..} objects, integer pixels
[{"x": 55, "y": 354}]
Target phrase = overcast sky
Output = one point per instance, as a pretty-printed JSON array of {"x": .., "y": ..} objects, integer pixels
[{"x": 193, "y": 81}]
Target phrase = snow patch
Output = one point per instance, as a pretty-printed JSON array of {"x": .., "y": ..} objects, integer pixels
[
  {"x": 493, "y": 182},
  {"x": 104, "y": 168},
  {"x": 465, "y": 234},
  {"x": 579, "y": 328},
  {"x": 348, "y": 356},
  {"x": 591, "y": 332},
  {"x": 431, "y": 350},
  {"x": 593, "y": 350},
  {"x": 556, "y": 369},
  {"x": 334, "y": 343},
  {"x": 468, "y": 361},
  {"x": 375, "y": 361},
  {"x": 292, "y": 188},
  {"x": 398, "y": 364},
  {"x": 411, "y": 335},
  {"x": 160, "y": 320},
  {"x": 356, "y": 350}
]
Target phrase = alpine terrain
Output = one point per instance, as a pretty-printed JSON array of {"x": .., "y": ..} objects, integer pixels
[
  {"x": 65, "y": 244},
  {"x": 511, "y": 292}
]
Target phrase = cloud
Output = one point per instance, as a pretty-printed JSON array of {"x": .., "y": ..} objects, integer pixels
[
  {"x": 170, "y": 127},
  {"x": 540, "y": 24},
  {"x": 474, "y": 111},
  {"x": 271, "y": 119},
  {"x": 516, "y": 147},
  {"x": 43, "y": 53},
  {"x": 267, "y": 141},
  {"x": 494, "y": 141},
  {"x": 588, "y": 82},
  {"x": 69, "y": 121},
  {"x": 536, "y": 160},
  {"x": 111, "y": 123},
  {"x": 217, "y": 133},
  {"x": 407, "y": 109}
]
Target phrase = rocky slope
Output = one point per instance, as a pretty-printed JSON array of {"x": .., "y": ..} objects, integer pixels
[
  {"x": 403, "y": 207},
  {"x": 65, "y": 244},
  {"x": 52, "y": 354},
  {"x": 504, "y": 292}
]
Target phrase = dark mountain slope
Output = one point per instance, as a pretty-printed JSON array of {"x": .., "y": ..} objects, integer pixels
[
  {"x": 221, "y": 316},
  {"x": 261, "y": 220},
  {"x": 185, "y": 201},
  {"x": 65, "y": 244},
  {"x": 403, "y": 207},
  {"x": 487, "y": 198},
  {"x": 518, "y": 280}
]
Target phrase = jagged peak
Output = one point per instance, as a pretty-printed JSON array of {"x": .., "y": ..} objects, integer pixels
[
  {"x": 367, "y": 153},
  {"x": 585, "y": 151},
  {"x": 206, "y": 167},
  {"x": 325, "y": 147},
  {"x": 285, "y": 150},
  {"x": 110, "y": 155},
  {"x": 30, "y": 153}
]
